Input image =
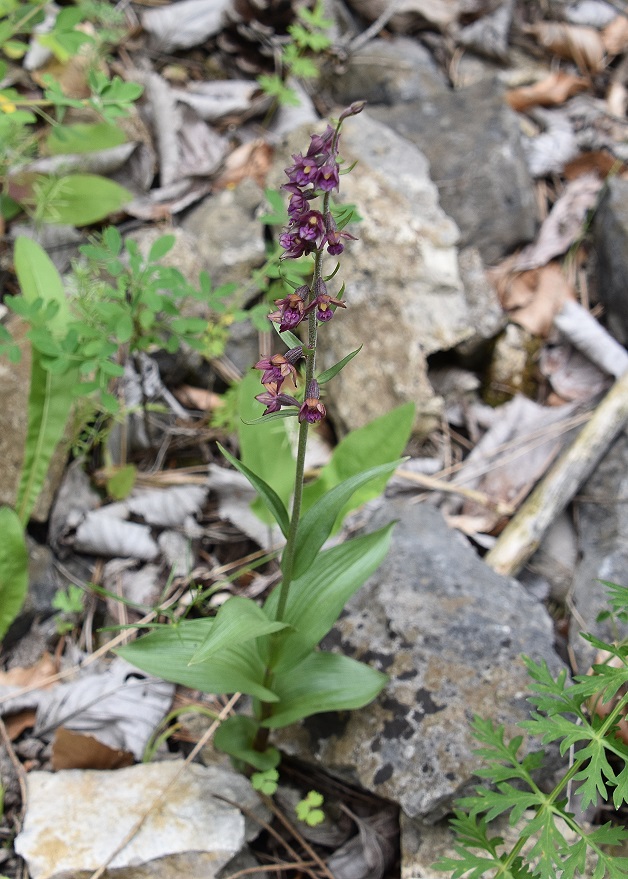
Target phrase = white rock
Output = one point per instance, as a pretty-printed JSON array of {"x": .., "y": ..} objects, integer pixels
[{"x": 76, "y": 819}]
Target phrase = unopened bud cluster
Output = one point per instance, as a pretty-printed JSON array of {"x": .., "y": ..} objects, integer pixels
[{"x": 310, "y": 231}]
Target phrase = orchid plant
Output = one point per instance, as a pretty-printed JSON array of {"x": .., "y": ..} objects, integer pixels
[{"x": 271, "y": 653}]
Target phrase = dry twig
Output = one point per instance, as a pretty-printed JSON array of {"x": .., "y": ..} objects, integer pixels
[{"x": 523, "y": 534}]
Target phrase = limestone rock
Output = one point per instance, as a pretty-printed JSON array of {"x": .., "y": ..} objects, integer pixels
[
  {"x": 473, "y": 144},
  {"x": 230, "y": 237},
  {"x": 386, "y": 71},
  {"x": 611, "y": 244},
  {"x": 603, "y": 541},
  {"x": 449, "y": 631},
  {"x": 191, "y": 831}
]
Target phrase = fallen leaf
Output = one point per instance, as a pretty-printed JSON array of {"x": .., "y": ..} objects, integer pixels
[
  {"x": 577, "y": 43},
  {"x": 73, "y": 750},
  {"x": 600, "y": 162},
  {"x": 198, "y": 398},
  {"x": 617, "y": 99},
  {"x": 571, "y": 374},
  {"x": 15, "y": 724},
  {"x": 34, "y": 676},
  {"x": 248, "y": 160},
  {"x": 615, "y": 36},
  {"x": 555, "y": 89},
  {"x": 564, "y": 224},
  {"x": 534, "y": 297}
]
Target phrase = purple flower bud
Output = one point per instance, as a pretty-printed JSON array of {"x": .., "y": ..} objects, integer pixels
[{"x": 312, "y": 410}]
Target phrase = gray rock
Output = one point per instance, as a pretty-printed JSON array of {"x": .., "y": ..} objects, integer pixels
[
  {"x": 449, "y": 631},
  {"x": 603, "y": 541},
  {"x": 610, "y": 231},
  {"x": 473, "y": 144},
  {"x": 486, "y": 315},
  {"x": 229, "y": 234},
  {"x": 385, "y": 72}
]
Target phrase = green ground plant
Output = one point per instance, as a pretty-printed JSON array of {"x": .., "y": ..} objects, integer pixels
[
  {"x": 582, "y": 716},
  {"x": 308, "y": 40},
  {"x": 36, "y": 127}
]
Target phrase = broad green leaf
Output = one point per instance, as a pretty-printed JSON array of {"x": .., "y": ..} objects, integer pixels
[
  {"x": 120, "y": 483},
  {"x": 160, "y": 248},
  {"x": 50, "y": 402},
  {"x": 79, "y": 199},
  {"x": 316, "y": 525},
  {"x": 235, "y": 736},
  {"x": 323, "y": 682},
  {"x": 166, "y": 653},
  {"x": 316, "y": 599},
  {"x": 51, "y": 395},
  {"x": 264, "y": 447},
  {"x": 378, "y": 442},
  {"x": 13, "y": 568},
  {"x": 238, "y": 620},
  {"x": 39, "y": 279},
  {"x": 270, "y": 497},
  {"x": 9, "y": 208},
  {"x": 83, "y": 137}
]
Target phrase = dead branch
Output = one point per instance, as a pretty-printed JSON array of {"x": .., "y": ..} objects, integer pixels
[{"x": 522, "y": 535}]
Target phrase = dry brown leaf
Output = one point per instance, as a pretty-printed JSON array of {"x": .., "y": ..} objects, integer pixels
[
  {"x": 35, "y": 676},
  {"x": 73, "y": 750},
  {"x": 600, "y": 162},
  {"x": 15, "y": 724},
  {"x": 248, "y": 160},
  {"x": 577, "y": 43},
  {"x": 617, "y": 99},
  {"x": 555, "y": 89},
  {"x": 534, "y": 297},
  {"x": 198, "y": 398},
  {"x": 564, "y": 224},
  {"x": 615, "y": 36},
  {"x": 572, "y": 375}
]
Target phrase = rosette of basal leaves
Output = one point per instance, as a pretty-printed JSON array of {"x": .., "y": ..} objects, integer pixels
[{"x": 246, "y": 649}]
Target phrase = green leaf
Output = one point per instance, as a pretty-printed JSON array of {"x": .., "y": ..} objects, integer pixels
[
  {"x": 83, "y": 137},
  {"x": 378, "y": 442},
  {"x": 323, "y": 682},
  {"x": 166, "y": 653},
  {"x": 264, "y": 447},
  {"x": 39, "y": 279},
  {"x": 161, "y": 247},
  {"x": 235, "y": 736},
  {"x": 51, "y": 395},
  {"x": 324, "y": 377},
  {"x": 13, "y": 568},
  {"x": 316, "y": 599},
  {"x": 237, "y": 621},
  {"x": 316, "y": 525},
  {"x": 120, "y": 484},
  {"x": 270, "y": 497},
  {"x": 79, "y": 199}
]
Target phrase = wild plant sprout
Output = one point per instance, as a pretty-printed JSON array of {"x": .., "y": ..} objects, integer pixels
[{"x": 271, "y": 652}]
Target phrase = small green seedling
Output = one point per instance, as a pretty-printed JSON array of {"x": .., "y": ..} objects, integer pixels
[
  {"x": 265, "y": 782},
  {"x": 308, "y": 809},
  {"x": 69, "y": 603}
]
